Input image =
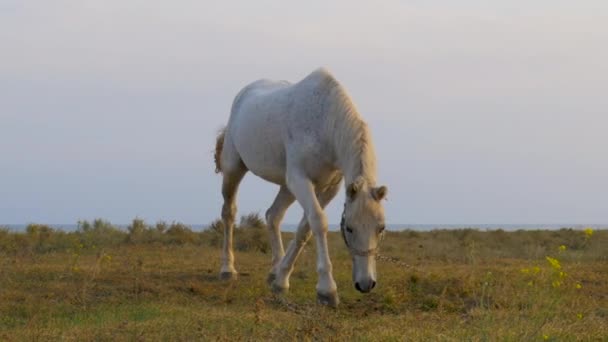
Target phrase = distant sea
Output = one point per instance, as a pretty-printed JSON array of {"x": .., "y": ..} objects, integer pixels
[{"x": 392, "y": 227}]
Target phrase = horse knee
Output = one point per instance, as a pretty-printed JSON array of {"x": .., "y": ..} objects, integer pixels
[{"x": 318, "y": 223}]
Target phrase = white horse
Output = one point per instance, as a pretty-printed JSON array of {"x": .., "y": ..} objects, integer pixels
[{"x": 305, "y": 137}]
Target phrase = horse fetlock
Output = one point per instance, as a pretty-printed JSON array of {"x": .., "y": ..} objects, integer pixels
[
  {"x": 280, "y": 283},
  {"x": 326, "y": 284},
  {"x": 228, "y": 275},
  {"x": 227, "y": 271},
  {"x": 276, "y": 267},
  {"x": 270, "y": 278},
  {"x": 279, "y": 288},
  {"x": 330, "y": 299},
  {"x": 284, "y": 269}
]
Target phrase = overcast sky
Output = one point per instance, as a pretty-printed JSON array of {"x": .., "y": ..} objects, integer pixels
[{"x": 481, "y": 111}]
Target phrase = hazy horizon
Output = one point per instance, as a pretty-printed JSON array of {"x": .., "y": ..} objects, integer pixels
[
  {"x": 480, "y": 111},
  {"x": 291, "y": 227}
]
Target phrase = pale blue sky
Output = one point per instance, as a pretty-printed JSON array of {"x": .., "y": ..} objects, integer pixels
[{"x": 481, "y": 111}]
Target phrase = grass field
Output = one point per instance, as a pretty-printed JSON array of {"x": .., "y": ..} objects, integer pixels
[{"x": 160, "y": 283}]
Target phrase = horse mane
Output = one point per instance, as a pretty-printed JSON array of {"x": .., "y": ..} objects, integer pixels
[{"x": 350, "y": 135}]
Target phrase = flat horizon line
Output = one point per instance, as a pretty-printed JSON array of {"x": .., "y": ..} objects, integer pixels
[{"x": 464, "y": 225}]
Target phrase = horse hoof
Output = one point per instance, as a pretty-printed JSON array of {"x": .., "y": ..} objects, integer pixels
[
  {"x": 227, "y": 276},
  {"x": 277, "y": 289},
  {"x": 329, "y": 299},
  {"x": 270, "y": 279}
]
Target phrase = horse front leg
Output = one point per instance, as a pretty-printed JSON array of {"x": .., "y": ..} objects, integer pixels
[
  {"x": 327, "y": 291},
  {"x": 303, "y": 189}
]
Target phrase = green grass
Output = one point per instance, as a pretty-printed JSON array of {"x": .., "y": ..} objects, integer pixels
[{"x": 155, "y": 283}]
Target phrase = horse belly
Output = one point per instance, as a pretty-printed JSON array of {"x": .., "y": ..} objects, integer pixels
[{"x": 259, "y": 145}]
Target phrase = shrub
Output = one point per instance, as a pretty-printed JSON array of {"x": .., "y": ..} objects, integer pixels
[
  {"x": 252, "y": 221},
  {"x": 179, "y": 233},
  {"x": 100, "y": 233},
  {"x": 139, "y": 232},
  {"x": 249, "y": 235},
  {"x": 39, "y": 237},
  {"x": 214, "y": 234},
  {"x": 161, "y": 226},
  {"x": 7, "y": 241}
]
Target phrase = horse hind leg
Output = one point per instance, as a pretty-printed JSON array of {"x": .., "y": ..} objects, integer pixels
[
  {"x": 274, "y": 216},
  {"x": 233, "y": 171},
  {"x": 280, "y": 283}
]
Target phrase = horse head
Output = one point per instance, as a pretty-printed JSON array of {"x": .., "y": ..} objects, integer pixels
[{"x": 362, "y": 228}]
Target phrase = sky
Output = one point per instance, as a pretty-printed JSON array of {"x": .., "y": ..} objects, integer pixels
[{"x": 480, "y": 111}]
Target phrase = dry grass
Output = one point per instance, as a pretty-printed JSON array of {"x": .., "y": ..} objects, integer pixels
[{"x": 160, "y": 283}]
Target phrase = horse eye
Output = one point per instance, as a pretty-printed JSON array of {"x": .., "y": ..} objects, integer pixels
[
  {"x": 349, "y": 229},
  {"x": 381, "y": 229}
]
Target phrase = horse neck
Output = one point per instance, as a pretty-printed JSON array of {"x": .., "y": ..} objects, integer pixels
[
  {"x": 352, "y": 143},
  {"x": 359, "y": 163}
]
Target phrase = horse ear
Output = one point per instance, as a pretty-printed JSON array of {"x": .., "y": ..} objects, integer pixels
[
  {"x": 354, "y": 187},
  {"x": 379, "y": 193},
  {"x": 351, "y": 190}
]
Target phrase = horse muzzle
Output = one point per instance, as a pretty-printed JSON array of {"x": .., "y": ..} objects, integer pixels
[
  {"x": 365, "y": 286},
  {"x": 364, "y": 273}
]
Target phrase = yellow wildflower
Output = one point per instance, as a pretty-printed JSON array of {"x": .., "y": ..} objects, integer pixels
[
  {"x": 525, "y": 270},
  {"x": 530, "y": 283},
  {"x": 579, "y": 315},
  {"x": 562, "y": 274},
  {"x": 536, "y": 270},
  {"x": 556, "y": 283},
  {"x": 545, "y": 337},
  {"x": 562, "y": 248},
  {"x": 578, "y": 286},
  {"x": 588, "y": 232},
  {"x": 554, "y": 263}
]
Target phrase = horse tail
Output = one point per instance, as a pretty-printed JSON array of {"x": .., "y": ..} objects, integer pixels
[{"x": 219, "y": 145}]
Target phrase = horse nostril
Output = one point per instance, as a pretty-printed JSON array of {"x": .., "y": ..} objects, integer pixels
[{"x": 367, "y": 286}]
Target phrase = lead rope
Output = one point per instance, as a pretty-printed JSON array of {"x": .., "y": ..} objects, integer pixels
[{"x": 393, "y": 260}]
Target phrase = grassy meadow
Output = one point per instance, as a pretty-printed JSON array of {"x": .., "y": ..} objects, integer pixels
[{"x": 160, "y": 282}]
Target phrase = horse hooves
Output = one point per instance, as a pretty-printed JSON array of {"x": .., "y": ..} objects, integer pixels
[
  {"x": 329, "y": 299},
  {"x": 270, "y": 279},
  {"x": 227, "y": 276},
  {"x": 277, "y": 289}
]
